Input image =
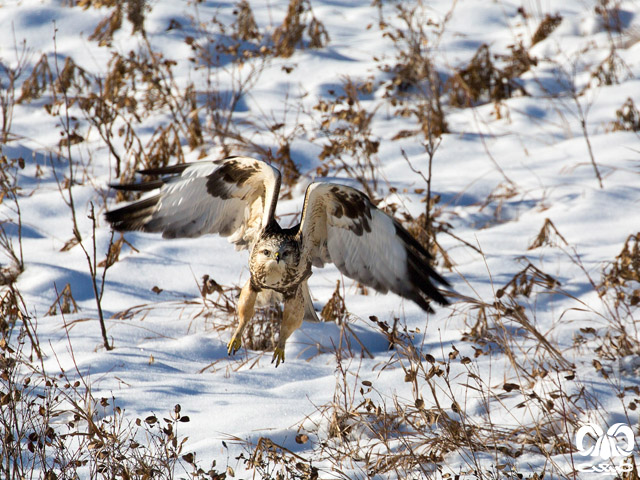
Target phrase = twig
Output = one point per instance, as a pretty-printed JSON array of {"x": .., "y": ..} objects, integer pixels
[{"x": 69, "y": 200}]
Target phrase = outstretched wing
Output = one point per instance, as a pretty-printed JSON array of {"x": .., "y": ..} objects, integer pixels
[
  {"x": 233, "y": 197},
  {"x": 340, "y": 225}
]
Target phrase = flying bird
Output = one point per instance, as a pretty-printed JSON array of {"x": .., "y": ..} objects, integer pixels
[{"x": 236, "y": 197}]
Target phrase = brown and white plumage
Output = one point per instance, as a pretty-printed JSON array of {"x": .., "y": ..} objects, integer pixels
[
  {"x": 233, "y": 197},
  {"x": 236, "y": 197},
  {"x": 340, "y": 225}
]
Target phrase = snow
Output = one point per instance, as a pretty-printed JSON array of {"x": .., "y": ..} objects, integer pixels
[{"x": 500, "y": 177}]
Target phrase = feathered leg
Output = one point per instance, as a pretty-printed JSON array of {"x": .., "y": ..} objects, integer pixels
[
  {"x": 246, "y": 304},
  {"x": 291, "y": 321}
]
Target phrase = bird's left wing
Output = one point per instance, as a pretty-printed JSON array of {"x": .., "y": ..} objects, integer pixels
[
  {"x": 233, "y": 197},
  {"x": 340, "y": 225}
]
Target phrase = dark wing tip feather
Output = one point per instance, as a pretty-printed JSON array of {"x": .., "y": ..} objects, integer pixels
[
  {"x": 420, "y": 251},
  {"x": 147, "y": 186},
  {"x": 137, "y": 216},
  {"x": 167, "y": 170},
  {"x": 421, "y": 276},
  {"x": 134, "y": 216},
  {"x": 137, "y": 187},
  {"x": 421, "y": 273}
]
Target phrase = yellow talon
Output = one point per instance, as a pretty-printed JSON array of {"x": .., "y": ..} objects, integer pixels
[
  {"x": 234, "y": 345},
  {"x": 278, "y": 356}
]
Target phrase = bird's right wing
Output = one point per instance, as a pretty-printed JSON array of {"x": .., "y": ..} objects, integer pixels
[
  {"x": 234, "y": 197},
  {"x": 340, "y": 225}
]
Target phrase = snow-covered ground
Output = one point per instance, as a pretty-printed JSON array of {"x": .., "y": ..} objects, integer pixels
[{"x": 522, "y": 362}]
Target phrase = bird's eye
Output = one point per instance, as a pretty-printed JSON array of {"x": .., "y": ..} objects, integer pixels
[{"x": 266, "y": 252}]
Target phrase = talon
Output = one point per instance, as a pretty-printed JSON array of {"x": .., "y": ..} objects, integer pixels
[
  {"x": 234, "y": 345},
  {"x": 278, "y": 356}
]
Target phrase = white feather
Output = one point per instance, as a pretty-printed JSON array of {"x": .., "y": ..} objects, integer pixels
[
  {"x": 186, "y": 209},
  {"x": 376, "y": 258}
]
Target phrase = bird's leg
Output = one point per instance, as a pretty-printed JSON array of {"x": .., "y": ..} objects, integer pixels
[
  {"x": 246, "y": 304},
  {"x": 291, "y": 321}
]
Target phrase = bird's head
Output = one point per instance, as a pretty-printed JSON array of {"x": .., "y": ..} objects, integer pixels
[{"x": 279, "y": 250}]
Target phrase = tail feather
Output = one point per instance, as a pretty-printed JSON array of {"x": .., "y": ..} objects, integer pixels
[{"x": 310, "y": 314}]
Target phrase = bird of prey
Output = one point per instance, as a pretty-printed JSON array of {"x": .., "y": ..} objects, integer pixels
[{"x": 236, "y": 197}]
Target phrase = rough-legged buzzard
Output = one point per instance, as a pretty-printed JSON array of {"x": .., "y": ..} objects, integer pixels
[{"x": 236, "y": 197}]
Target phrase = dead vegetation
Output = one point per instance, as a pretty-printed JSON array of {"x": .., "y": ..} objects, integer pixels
[
  {"x": 141, "y": 84},
  {"x": 415, "y": 86},
  {"x": 546, "y": 27},
  {"x": 483, "y": 81},
  {"x": 272, "y": 461},
  {"x": 620, "y": 287},
  {"x": 289, "y": 36},
  {"x": 624, "y": 271},
  {"x": 627, "y": 118},
  {"x": 349, "y": 146},
  {"x": 335, "y": 308},
  {"x": 53, "y": 427},
  {"x": 367, "y": 430},
  {"x": 216, "y": 311},
  {"x": 12, "y": 264}
]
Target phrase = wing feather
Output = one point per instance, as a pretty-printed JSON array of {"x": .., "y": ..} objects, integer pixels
[
  {"x": 340, "y": 225},
  {"x": 233, "y": 197}
]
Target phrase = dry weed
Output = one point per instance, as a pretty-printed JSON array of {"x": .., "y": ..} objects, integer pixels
[
  {"x": 245, "y": 26},
  {"x": 425, "y": 229},
  {"x": 627, "y": 118},
  {"x": 53, "y": 427},
  {"x": 335, "y": 309},
  {"x": 10, "y": 245},
  {"x": 283, "y": 133},
  {"x": 346, "y": 127},
  {"x": 415, "y": 87},
  {"x": 36, "y": 84},
  {"x": 624, "y": 273},
  {"x": 548, "y": 235},
  {"x": 611, "y": 71},
  {"x": 483, "y": 81},
  {"x": 620, "y": 287},
  {"x": 548, "y": 24},
  {"x": 272, "y": 461},
  {"x": 609, "y": 12},
  {"x": 133, "y": 9},
  {"x": 367, "y": 430},
  {"x": 10, "y": 79},
  {"x": 289, "y": 36},
  {"x": 64, "y": 301}
]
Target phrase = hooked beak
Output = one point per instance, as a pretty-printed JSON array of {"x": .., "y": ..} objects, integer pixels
[{"x": 277, "y": 255}]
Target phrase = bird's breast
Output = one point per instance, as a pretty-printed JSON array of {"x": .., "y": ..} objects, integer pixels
[
  {"x": 274, "y": 273},
  {"x": 278, "y": 275}
]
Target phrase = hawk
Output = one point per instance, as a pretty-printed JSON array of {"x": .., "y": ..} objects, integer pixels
[{"x": 236, "y": 197}]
